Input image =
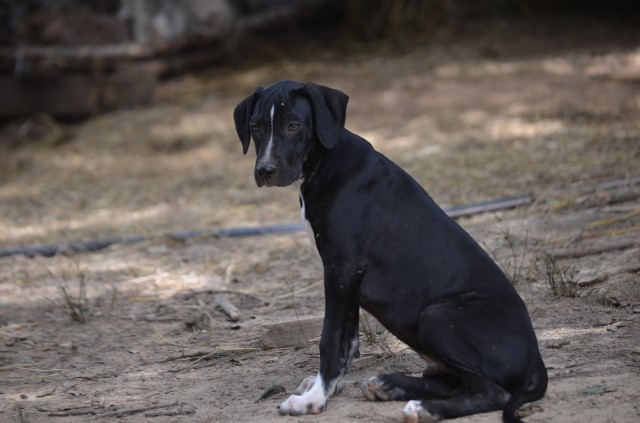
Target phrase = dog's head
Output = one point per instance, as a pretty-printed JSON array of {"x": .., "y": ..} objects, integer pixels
[{"x": 286, "y": 120}]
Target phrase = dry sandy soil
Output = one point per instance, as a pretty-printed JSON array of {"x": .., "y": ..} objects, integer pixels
[{"x": 478, "y": 112}]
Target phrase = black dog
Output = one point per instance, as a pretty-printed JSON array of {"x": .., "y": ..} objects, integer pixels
[{"x": 388, "y": 248}]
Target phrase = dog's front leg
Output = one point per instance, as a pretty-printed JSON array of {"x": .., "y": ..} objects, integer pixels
[{"x": 338, "y": 345}]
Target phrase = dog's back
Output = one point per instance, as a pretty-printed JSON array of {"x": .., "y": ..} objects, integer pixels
[{"x": 388, "y": 248}]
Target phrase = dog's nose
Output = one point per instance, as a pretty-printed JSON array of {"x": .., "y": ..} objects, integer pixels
[{"x": 264, "y": 170}]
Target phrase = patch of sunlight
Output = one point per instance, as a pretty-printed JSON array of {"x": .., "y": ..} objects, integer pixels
[
  {"x": 114, "y": 217},
  {"x": 516, "y": 127},
  {"x": 487, "y": 68},
  {"x": 558, "y": 66},
  {"x": 563, "y": 333},
  {"x": 188, "y": 126}
]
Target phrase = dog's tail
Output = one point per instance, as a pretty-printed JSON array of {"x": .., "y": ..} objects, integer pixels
[{"x": 532, "y": 390}]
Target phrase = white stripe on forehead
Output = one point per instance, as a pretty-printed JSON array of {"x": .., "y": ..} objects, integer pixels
[{"x": 269, "y": 150}]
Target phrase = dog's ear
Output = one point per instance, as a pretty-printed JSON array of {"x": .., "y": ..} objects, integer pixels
[
  {"x": 242, "y": 116},
  {"x": 329, "y": 109}
]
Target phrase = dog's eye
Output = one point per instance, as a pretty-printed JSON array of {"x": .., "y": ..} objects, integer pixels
[
  {"x": 255, "y": 127},
  {"x": 293, "y": 126}
]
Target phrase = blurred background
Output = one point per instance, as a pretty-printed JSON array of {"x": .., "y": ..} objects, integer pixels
[
  {"x": 116, "y": 114},
  {"x": 116, "y": 129}
]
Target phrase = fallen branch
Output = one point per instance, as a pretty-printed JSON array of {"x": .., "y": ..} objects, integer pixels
[
  {"x": 78, "y": 412},
  {"x": 21, "y": 413},
  {"x": 181, "y": 357},
  {"x": 183, "y": 409},
  {"x": 212, "y": 355},
  {"x": 222, "y": 301},
  {"x": 67, "y": 411},
  {"x": 488, "y": 206},
  {"x": 127, "y": 411}
]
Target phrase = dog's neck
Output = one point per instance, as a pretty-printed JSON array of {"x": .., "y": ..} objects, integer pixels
[{"x": 311, "y": 165}]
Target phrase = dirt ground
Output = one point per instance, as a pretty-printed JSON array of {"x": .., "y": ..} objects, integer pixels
[{"x": 475, "y": 113}]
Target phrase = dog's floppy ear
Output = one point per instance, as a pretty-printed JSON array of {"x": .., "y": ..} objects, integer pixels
[
  {"x": 242, "y": 116},
  {"x": 329, "y": 109}
]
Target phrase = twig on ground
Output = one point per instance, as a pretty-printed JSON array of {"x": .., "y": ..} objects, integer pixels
[
  {"x": 183, "y": 409},
  {"x": 299, "y": 291},
  {"x": 273, "y": 390},
  {"x": 67, "y": 411},
  {"x": 222, "y": 301},
  {"x": 181, "y": 357},
  {"x": 228, "y": 273},
  {"x": 209, "y": 356},
  {"x": 166, "y": 340},
  {"x": 30, "y": 369},
  {"x": 21, "y": 413},
  {"x": 134, "y": 410}
]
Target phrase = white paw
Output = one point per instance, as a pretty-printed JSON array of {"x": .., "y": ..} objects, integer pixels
[
  {"x": 414, "y": 413},
  {"x": 309, "y": 398},
  {"x": 297, "y": 405}
]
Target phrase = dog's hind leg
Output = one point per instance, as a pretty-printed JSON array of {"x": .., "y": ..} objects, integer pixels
[
  {"x": 486, "y": 352},
  {"x": 480, "y": 396},
  {"x": 401, "y": 387}
]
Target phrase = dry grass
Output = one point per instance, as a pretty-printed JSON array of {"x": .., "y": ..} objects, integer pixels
[
  {"x": 74, "y": 304},
  {"x": 560, "y": 280}
]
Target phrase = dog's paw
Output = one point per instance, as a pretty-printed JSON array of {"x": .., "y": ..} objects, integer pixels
[
  {"x": 309, "y": 398},
  {"x": 376, "y": 388},
  {"x": 297, "y": 405},
  {"x": 414, "y": 413},
  {"x": 370, "y": 387}
]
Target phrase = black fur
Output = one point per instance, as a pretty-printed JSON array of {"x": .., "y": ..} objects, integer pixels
[{"x": 388, "y": 248}]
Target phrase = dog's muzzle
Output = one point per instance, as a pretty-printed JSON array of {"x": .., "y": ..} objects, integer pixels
[{"x": 265, "y": 174}]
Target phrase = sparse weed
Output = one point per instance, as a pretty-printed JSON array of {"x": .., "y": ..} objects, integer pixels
[
  {"x": 560, "y": 280},
  {"x": 75, "y": 306},
  {"x": 295, "y": 310},
  {"x": 514, "y": 264},
  {"x": 374, "y": 333},
  {"x": 514, "y": 267}
]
